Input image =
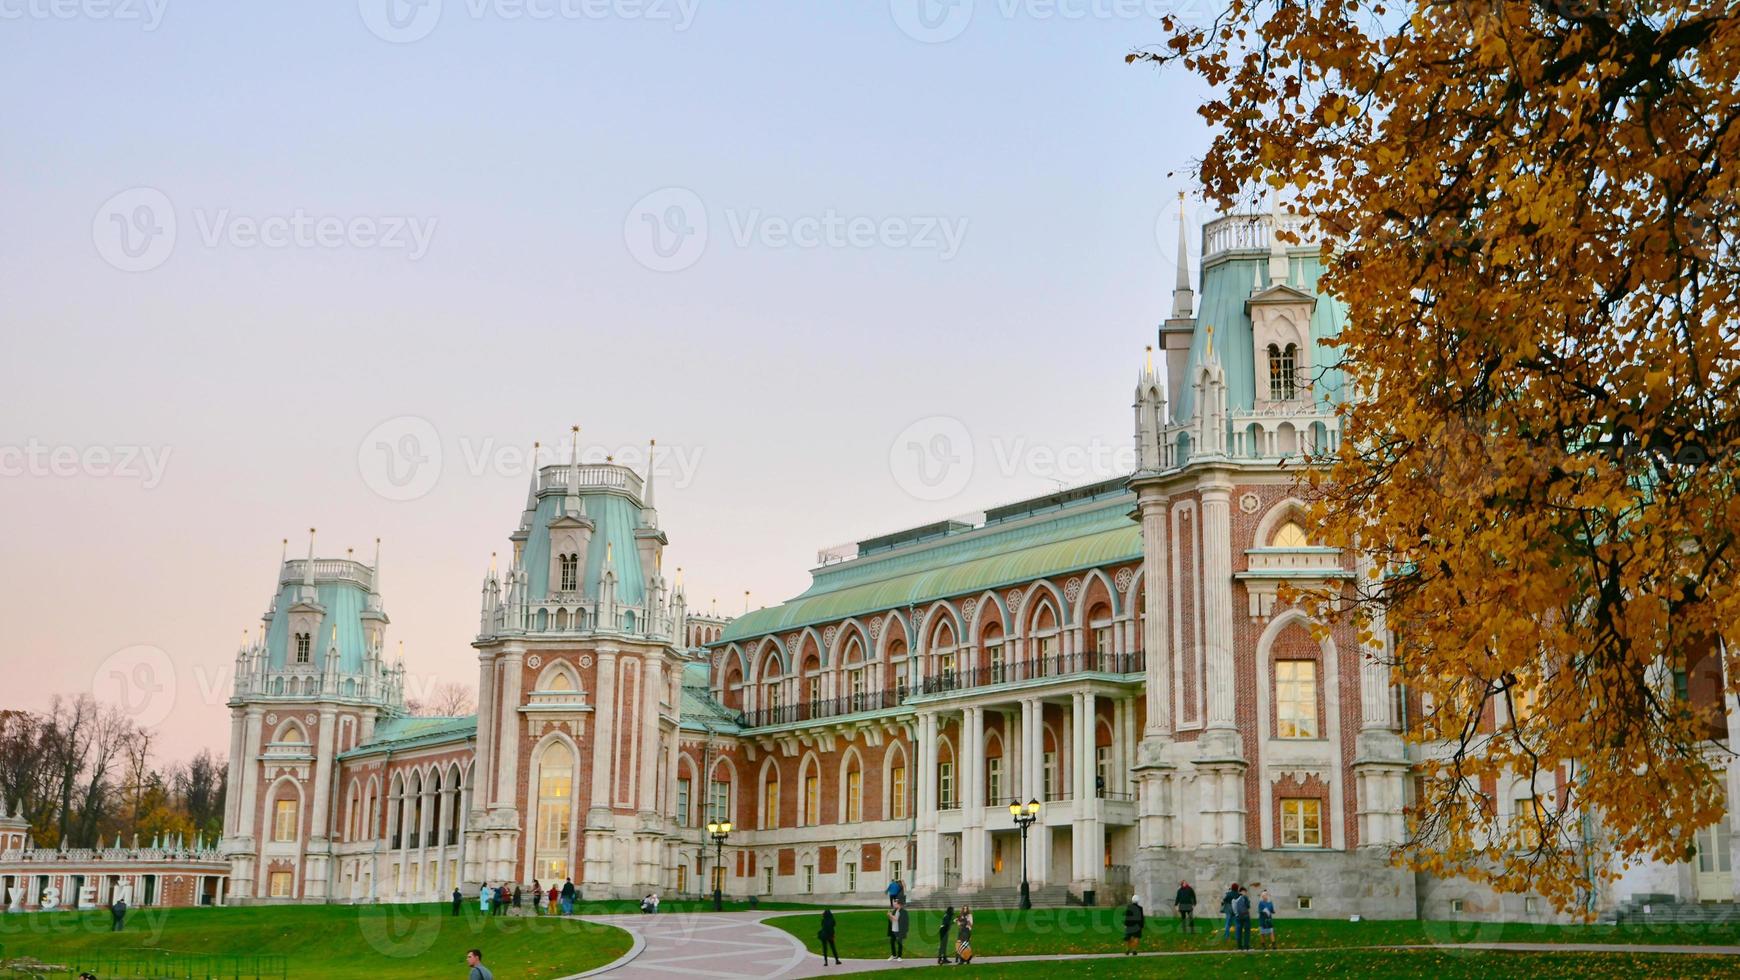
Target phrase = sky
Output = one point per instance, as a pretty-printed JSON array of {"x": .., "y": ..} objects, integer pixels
[{"x": 265, "y": 267}]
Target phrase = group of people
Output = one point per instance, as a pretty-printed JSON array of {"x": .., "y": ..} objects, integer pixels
[
  {"x": 1237, "y": 909},
  {"x": 649, "y": 904},
  {"x": 497, "y": 899}
]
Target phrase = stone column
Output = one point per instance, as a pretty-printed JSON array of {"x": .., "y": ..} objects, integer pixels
[
  {"x": 1156, "y": 637},
  {"x": 604, "y": 742},
  {"x": 1217, "y": 608},
  {"x": 486, "y": 725},
  {"x": 507, "y": 776},
  {"x": 248, "y": 819},
  {"x": 233, "y": 804},
  {"x": 928, "y": 872},
  {"x": 650, "y": 670},
  {"x": 974, "y": 843}
]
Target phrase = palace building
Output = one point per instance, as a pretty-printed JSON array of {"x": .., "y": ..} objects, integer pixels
[{"x": 1120, "y": 653}]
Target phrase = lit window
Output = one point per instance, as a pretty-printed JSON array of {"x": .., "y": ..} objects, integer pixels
[
  {"x": 854, "y": 796},
  {"x": 284, "y": 820},
  {"x": 1296, "y": 699},
  {"x": 1531, "y": 816},
  {"x": 812, "y": 800},
  {"x": 1289, "y": 535},
  {"x": 770, "y": 804},
  {"x": 897, "y": 790},
  {"x": 280, "y": 884},
  {"x": 1302, "y": 823},
  {"x": 555, "y": 787}
]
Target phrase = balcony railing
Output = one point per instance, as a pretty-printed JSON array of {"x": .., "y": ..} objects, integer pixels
[
  {"x": 1038, "y": 668},
  {"x": 817, "y": 710}
]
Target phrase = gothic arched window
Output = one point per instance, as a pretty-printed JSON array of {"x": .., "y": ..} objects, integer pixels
[
  {"x": 555, "y": 808},
  {"x": 302, "y": 648},
  {"x": 570, "y": 572},
  {"x": 1283, "y": 384}
]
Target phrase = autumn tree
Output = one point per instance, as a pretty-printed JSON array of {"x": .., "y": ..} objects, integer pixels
[{"x": 1529, "y": 211}]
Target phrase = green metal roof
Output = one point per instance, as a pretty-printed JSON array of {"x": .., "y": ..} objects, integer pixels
[
  {"x": 1086, "y": 535},
  {"x": 1226, "y": 285},
  {"x": 344, "y": 603},
  {"x": 409, "y": 732},
  {"x": 700, "y": 712},
  {"x": 615, "y": 518}
]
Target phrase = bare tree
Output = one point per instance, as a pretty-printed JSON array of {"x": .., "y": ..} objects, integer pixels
[{"x": 447, "y": 700}]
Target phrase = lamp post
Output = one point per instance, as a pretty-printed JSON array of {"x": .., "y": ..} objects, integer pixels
[
  {"x": 1024, "y": 818},
  {"x": 719, "y": 831}
]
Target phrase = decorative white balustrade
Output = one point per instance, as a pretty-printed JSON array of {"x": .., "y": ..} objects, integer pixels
[
  {"x": 598, "y": 476},
  {"x": 1250, "y": 233},
  {"x": 1280, "y": 433},
  {"x": 328, "y": 570}
]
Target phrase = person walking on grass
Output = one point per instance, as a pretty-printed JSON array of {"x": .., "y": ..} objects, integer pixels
[
  {"x": 458, "y": 900},
  {"x": 1226, "y": 909},
  {"x": 896, "y": 892},
  {"x": 567, "y": 896},
  {"x": 898, "y": 922},
  {"x": 474, "y": 959},
  {"x": 1186, "y": 902},
  {"x": 483, "y": 896},
  {"x": 117, "y": 915},
  {"x": 537, "y": 895},
  {"x": 942, "y": 945},
  {"x": 1266, "y": 920},
  {"x": 1134, "y": 920},
  {"x": 1242, "y": 913},
  {"x": 964, "y": 936},
  {"x": 826, "y": 935}
]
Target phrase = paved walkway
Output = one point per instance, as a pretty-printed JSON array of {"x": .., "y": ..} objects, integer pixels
[{"x": 740, "y": 945}]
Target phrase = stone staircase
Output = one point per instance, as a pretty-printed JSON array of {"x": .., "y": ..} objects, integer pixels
[
  {"x": 1048, "y": 897},
  {"x": 1665, "y": 909}
]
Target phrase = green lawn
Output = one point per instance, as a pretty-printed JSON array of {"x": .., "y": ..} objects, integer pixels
[
  {"x": 863, "y": 934},
  {"x": 363, "y": 941},
  {"x": 1377, "y": 965}
]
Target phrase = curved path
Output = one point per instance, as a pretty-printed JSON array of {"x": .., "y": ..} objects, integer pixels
[{"x": 740, "y": 945}]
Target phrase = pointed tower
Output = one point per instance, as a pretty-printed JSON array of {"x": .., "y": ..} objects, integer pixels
[
  {"x": 1150, "y": 410},
  {"x": 1179, "y": 329}
]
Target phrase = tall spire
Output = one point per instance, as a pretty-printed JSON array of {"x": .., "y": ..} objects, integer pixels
[
  {"x": 1182, "y": 297},
  {"x": 532, "y": 491},
  {"x": 649, "y": 512},
  {"x": 573, "y": 504},
  {"x": 308, "y": 569}
]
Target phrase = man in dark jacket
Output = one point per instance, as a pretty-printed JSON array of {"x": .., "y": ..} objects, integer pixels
[
  {"x": 1134, "y": 920},
  {"x": 898, "y": 923},
  {"x": 458, "y": 900},
  {"x": 567, "y": 896},
  {"x": 1186, "y": 902},
  {"x": 1242, "y": 912},
  {"x": 1226, "y": 908},
  {"x": 942, "y": 946},
  {"x": 117, "y": 915}
]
